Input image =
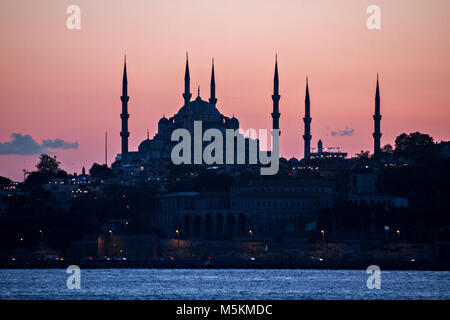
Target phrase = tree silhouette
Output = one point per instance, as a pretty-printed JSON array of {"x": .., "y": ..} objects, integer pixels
[
  {"x": 387, "y": 149},
  {"x": 100, "y": 171},
  {"x": 48, "y": 164},
  {"x": 48, "y": 169},
  {"x": 413, "y": 144}
]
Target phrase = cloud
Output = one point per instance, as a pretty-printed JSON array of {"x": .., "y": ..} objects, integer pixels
[
  {"x": 343, "y": 133},
  {"x": 25, "y": 145},
  {"x": 59, "y": 144}
]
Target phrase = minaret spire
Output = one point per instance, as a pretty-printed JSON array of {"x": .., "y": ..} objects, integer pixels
[
  {"x": 187, "y": 83},
  {"x": 377, "y": 121},
  {"x": 212, "y": 98},
  {"x": 125, "y": 80},
  {"x": 275, "y": 78},
  {"x": 307, "y": 121},
  {"x": 124, "y": 115},
  {"x": 276, "y": 99}
]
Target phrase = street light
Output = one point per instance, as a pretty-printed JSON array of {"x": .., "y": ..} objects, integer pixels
[
  {"x": 251, "y": 234},
  {"x": 178, "y": 237},
  {"x": 323, "y": 234}
]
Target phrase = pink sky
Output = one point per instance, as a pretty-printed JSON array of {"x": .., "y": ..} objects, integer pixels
[{"x": 65, "y": 84}]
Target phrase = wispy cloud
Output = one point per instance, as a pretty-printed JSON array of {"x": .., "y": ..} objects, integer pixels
[
  {"x": 24, "y": 144},
  {"x": 343, "y": 133},
  {"x": 59, "y": 144}
]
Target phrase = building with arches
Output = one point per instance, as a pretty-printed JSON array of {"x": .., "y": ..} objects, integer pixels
[{"x": 263, "y": 209}]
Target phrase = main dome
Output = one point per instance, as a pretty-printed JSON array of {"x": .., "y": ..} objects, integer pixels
[{"x": 199, "y": 107}]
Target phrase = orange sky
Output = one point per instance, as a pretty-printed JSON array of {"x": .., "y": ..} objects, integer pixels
[{"x": 65, "y": 84}]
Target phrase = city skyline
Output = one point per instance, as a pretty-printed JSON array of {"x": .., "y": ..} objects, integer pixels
[{"x": 75, "y": 76}]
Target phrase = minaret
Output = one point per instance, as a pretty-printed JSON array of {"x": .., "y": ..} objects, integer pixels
[
  {"x": 307, "y": 120},
  {"x": 212, "y": 98},
  {"x": 276, "y": 99},
  {"x": 124, "y": 116},
  {"x": 187, "y": 84},
  {"x": 377, "y": 119}
]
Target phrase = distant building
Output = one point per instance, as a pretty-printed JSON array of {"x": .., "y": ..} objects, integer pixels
[
  {"x": 363, "y": 191},
  {"x": 327, "y": 153},
  {"x": 157, "y": 151},
  {"x": 9, "y": 192},
  {"x": 443, "y": 149},
  {"x": 72, "y": 187},
  {"x": 256, "y": 209}
]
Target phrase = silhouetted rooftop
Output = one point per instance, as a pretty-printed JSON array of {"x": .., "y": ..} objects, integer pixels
[{"x": 200, "y": 107}]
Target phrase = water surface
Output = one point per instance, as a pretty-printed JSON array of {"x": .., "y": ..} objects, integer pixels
[{"x": 222, "y": 284}]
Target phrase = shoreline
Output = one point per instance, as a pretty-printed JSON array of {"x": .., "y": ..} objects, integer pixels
[{"x": 227, "y": 264}]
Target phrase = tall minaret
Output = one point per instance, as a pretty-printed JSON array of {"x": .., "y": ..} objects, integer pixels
[
  {"x": 212, "y": 98},
  {"x": 307, "y": 120},
  {"x": 276, "y": 99},
  {"x": 124, "y": 116},
  {"x": 377, "y": 119},
  {"x": 187, "y": 84}
]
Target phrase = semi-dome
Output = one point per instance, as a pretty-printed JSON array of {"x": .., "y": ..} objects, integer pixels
[
  {"x": 145, "y": 145},
  {"x": 293, "y": 160},
  {"x": 163, "y": 120},
  {"x": 234, "y": 123}
]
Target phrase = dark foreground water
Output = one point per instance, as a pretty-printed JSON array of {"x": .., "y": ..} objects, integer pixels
[{"x": 222, "y": 284}]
